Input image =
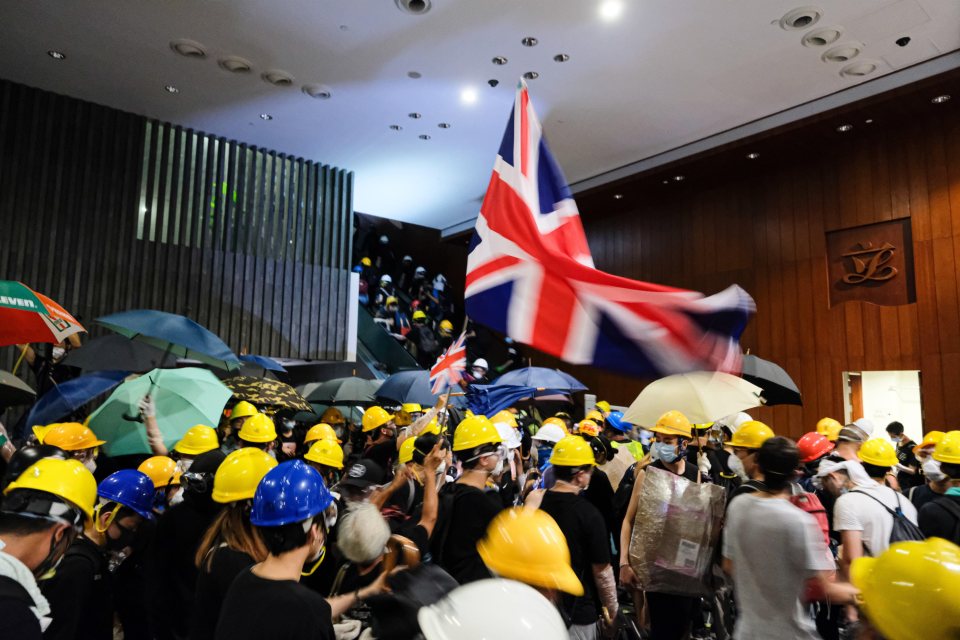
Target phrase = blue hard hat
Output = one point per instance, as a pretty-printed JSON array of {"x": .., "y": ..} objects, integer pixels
[
  {"x": 290, "y": 492},
  {"x": 131, "y": 488},
  {"x": 615, "y": 420}
]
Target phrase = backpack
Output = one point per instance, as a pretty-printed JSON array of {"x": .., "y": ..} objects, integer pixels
[
  {"x": 810, "y": 503},
  {"x": 903, "y": 530},
  {"x": 953, "y": 509},
  {"x": 428, "y": 341}
]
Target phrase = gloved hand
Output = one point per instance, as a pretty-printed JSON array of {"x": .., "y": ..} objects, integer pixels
[
  {"x": 703, "y": 463},
  {"x": 147, "y": 408}
]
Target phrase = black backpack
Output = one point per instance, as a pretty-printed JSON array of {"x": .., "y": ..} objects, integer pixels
[
  {"x": 428, "y": 341},
  {"x": 903, "y": 530},
  {"x": 953, "y": 509}
]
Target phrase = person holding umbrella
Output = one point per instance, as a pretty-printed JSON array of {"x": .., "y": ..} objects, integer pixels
[{"x": 48, "y": 368}]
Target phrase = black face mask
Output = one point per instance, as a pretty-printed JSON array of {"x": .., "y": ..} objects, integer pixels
[
  {"x": 126, "y": 538},
  {"x": 46, "y": 569}
]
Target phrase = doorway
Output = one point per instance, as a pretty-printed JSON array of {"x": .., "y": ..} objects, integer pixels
[{"x": 883, "y": 397}]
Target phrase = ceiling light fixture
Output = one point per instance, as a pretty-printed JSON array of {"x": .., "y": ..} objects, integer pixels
[
  {"x": 493, "y": 82},
  {"x": 822, "y": 37},
  {"x": 531, "y": 75},
  {"x": 666, "y": 182},
  {"x": 499, "y": 60},
  {"x": 529, "y": 41},
  {"x": 396, "y": 127},
  {"x": 424, "y": 136},
  {"x": 414, "y": 7},
  {"x": 844, "y": 128},
  {"x": 561, "y": 57},
  {"x": 610, "y": 10},
  {"x": 318, "y": 91},
  {"x": 235, "y": 64},
  {"x": 618, "y": 196},
  {"x": 266, "y": 116},
  {"x": 941, "y": 99},
  {"x": 277, "y": 78},
  {"x": 413, "y": 115},
  {"x": 468, "y": 95},
  {"x": 171, "y": 89},
  {"x": 859, "y": 69},
  {"x": 868, "y": 121},
  {"x": 801, "y": 18},
  {"x": 444, "y": 125},
  {"x": 753, "y": 155},
  {"x": 415, "y": 75},
  {"x": 678, "y": 178},
  {"x": 188, "y": 48},
  {"x": 843, "y": 52},
  {"x": 57, "y": 55}
]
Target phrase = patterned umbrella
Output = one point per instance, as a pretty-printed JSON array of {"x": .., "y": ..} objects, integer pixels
[
  {"x": 28, "y": 316},
  {"x": 263, "y": 392}
]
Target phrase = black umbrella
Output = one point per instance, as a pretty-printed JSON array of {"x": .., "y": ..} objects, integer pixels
[
  {"x": 778, "y": 387},
  {"x": 14, "y": 391},
  {"x": 118, "y": 353}
]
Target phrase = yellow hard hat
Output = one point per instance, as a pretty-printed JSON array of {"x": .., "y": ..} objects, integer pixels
[
  {"x": 239, "y": 474},
  {"x": 930, "y": 439},
  {"x": 527, "y": 545},
  {"x": 505, "y": 417},
  {"x": 366, "y": 262},
  {"x": 326, "y": 452},
  {"x": 594, "y": 415},
  {"x": 321, "y": 431},
  {"x": 258, "y": 428},
  {"x": 406, "y": 450},
  {"x": 751, "y": 435},
  {"x": 391, "y": 300},
  {"x": 572, "y": 451},
  {"x": 375, "y": 417},
  {"x": 446, "y": 325},
  {"x": 67, "y": 479},
  {"x": 830, "y": 428},
  {"x": 402, "y": 419},
  {"x": 603, "y": 405},
  {"x": 198, "y": 439},
  {"x": 878, "y": 452},
  {"x": 69, "y": 436},
  {"x": 588, "y": 428},
  {"x": 673, "y": 423},
  {"x": 243, "y": 409},
  {"x": 419, "y": 315},
  {"x": 702, "y": 426},
  {"x": 948, "y": 449},
  {"x": 474, "y": 432},
  {"x": 558, "y": 422},
  {"x": 910, "y": 591},
  {"x": 161, "y": 469},
  {"x": 412, "y": 407},
  {"x": 332, "y": 415},
  {"x": 432, "y": 427}
]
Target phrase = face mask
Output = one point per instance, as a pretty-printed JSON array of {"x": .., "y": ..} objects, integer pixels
[
  {"x": 479, "y": 373},
  {"x": 895, "y": 441},
  {"x": 931, "y": 469},
  {"x": 736, "y": 466},
  {"x": 125, "y": 539},
  {"x": 543, "y": 454},
  {"x": 645, "y": 437},
  {"x": 90, "y": 464},
  {"x": 58, "y": 352},
  {"x": 184, "y": 465},
  {"x": 668, "y": 452},
  {"x": 497, "y": 470},
  {"x": 48, "y": 568},
  {"x": 177, "y": 497},
  {"x": 289, "y": 424}
]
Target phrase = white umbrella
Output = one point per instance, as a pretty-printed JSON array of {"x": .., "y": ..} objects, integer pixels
[{"x": 702, "y": 396}]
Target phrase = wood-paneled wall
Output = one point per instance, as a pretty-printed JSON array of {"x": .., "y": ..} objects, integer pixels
[
  {"x": 106, "y": 211},
  {"x": 762, "y": 226}
]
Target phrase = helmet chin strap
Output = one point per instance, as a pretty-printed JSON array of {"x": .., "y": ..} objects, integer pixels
[
  {"x": 313, "y": 567},
  {"x": 96, "y": 515}
]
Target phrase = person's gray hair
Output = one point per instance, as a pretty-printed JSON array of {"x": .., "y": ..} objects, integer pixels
[{"x": 363, "y": 533}]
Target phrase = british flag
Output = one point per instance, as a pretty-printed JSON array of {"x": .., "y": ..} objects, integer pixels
[
  {"x": 530, "y": 275},
  {"x": 451, "y": 364}
]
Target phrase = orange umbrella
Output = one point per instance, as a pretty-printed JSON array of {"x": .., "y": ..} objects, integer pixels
[{"x": 28, "y": 316}]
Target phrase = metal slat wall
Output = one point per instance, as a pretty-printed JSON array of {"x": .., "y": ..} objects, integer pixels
[{"x": 106, "y": 211}]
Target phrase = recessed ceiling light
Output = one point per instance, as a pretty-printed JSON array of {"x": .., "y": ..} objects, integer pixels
[
  {"x": 235, "y": 64},
  {"x": 531, "y": 75},
  {"x": 424, "y": 136},
  {"x": 843, "y": 52},
  {"x": 610, "y": 10},
  {"x": 416, "y": 7},
  {"x": 844, "y": 128},
  {"x": 188, "y": 48},
  {"x": 396, "y": 127},
  {"x": 822, "y": 37},
  {"x": 561, "y": 57},
  {"x": 529, "y": 41},
  {"x": 618, "y": 196},
  {"x": 413, "y": 115},
  {"x": 444, "y": 125},
  {"x": 868, "y": 121},
  {"x": 318, "y": 91},
  {"x": 859, "y": 69},
  {"x": 493, "y": 82},
  {"x": 416, "y": 75},
  {"x": 499, "y": 60},
  {"x": 468, "y": 95},
  {"x": 57, "y": 55},
  {"x": 678, "y": 178},
  {"x": 941, "y": 99},
  {"x": 666, "y": 182},
  {"x": 171, "y": 89},
  {"x": 753, "y": 155},
  {"x": 277, "y": 78},
  {"x": 344, "y": 27},
  {"x": 800, "y": 18},
  {"x": 266, "y": 116}
]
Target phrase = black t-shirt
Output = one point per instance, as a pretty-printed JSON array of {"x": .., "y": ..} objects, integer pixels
[
  {"x": 906, "y": 457},
  {"x": 259, "y": 609},
  {"x": 383, "y": 453},
  {"x": 935, "y": 520},
  {"x": 80, "y": 595},
  {"x": 17, "y": 620},
  {"x": 921, "y": 495},
  {"x": 586, "y": 534},
  {"x": 212, "y": 588},
  {"x": 689, "y": 470},
  {"x": 471, "y": 513},
  {"x": 600, "y": 495}
]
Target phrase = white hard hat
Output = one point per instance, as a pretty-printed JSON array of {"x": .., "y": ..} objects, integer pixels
[
  {"x": 865, "y": 424},
  {"x": 408, "y": 258},
  {"x": 733, "y": 422},
  {"x": 480, "y": 362},
  {"x": 550, "y": 433},
  {"x": 496, "y": 608},
  {"x": 386, "y": 278},
  {"x": 384, "y": 240},
  {"x": 420, "y": 270},
  {"x": 509, "y": 435}
]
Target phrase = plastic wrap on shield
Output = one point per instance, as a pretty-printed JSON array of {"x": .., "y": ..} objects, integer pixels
[{"x": 675, "y": 533}]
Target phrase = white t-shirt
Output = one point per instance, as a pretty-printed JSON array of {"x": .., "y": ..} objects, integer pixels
[
  {"x": 774, "y": 547},
  {"x": 855, "y": 511}
]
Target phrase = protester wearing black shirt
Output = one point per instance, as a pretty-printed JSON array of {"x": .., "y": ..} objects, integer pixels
[
  {"x": 940, "y": 517},
  {"x": 81, "y": 595},
  {"x": 471, "y": 511},
  {"x": 212, "y": 587},
  {"x": 908, "y": 467}
]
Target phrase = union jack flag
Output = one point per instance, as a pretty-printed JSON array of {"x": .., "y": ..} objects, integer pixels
[
  {"x": 450, "y": 366},
  {"x": 530, "y": 275}
]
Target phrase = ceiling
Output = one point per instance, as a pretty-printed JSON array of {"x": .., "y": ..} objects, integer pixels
[{"x": 659, "y": 76}]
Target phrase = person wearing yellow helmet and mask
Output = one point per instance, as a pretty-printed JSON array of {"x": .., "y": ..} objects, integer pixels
[
  {"x": 230, "y": 426},
  {"x": 746, "y": 442},
  {"x": 198, "y": 440},
  {"x": 941, "y": 516},
  {"x": 380, "y": 437},
  {"x": 335, "y": 418},
  {"x": 76, "y": 439},
  {"x": 259, "y": 431}
]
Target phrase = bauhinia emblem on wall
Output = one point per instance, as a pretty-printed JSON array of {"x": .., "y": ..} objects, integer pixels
[{"x": 872, "y": 263}]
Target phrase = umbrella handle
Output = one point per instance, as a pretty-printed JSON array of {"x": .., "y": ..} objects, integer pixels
[{"x": 153, "y": 385}]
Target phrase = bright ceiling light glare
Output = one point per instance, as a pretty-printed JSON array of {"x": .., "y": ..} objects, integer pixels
[
  {"x": 678, "y": 178},
  {"x": 561, "y": 57},
  {"x": 868, "y": 121},
  {"x": 424, "y": 136},
  {"x": 499, "y": 60},
  {"x": 396, "y": 127},
  {"x": 444, "y": 125},
  {"x": 171, "y": 89},
  {"x": 266, "y": 116},
  {"x": 468, "y": 95},
  {"x": 611, "y": 10},
  {"x": 753, "y": 155},
  {"x": 618, "y": 196},
  {"x": 941, "y": 99},
  {"x": 531, "y": 75},
  {"x": 57, "y": 55},
  {"x": 844, "y": 128}
]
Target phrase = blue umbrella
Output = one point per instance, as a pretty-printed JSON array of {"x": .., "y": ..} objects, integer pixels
[
  {"x": 486, "y": 399},
  {"x": 174, "y": 334},
  {"x": 540, "y": 378},
  {"x": 67, "y": 397},
  {"x": 264, "y": 362},
  {"x": 408, "y": 386}
]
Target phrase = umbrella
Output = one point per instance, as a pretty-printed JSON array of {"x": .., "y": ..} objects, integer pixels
[
  {"x": 14, "y": 391},
  {"x": 540, "y": 378},
  {"x": 408, "y": 386},
  {"x": 263, "y": 392},
  {"x": 778, "y": 387},
  {"x": 350, "y": 413},
  {"x": 173, "y": 333},
  {"x": 183, "y": 397},
  {"x": 486, "y": 399},
  {"x": 67, "y": 397},
  {"x": 264, "y": 363},
  {"x": 350, "y": 390},
  {"x": 28, "y": 316},
  {"x": 702, "y": 396},
  {"x": 118, "y": 353}
]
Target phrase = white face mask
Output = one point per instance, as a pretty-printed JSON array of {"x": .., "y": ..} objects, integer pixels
[
  {"x": 479, "y": 373},
  {"x": 176, "y": 498},
  {"x": 90, "y": 464},
  {"x": 183, "y": 465},
  {"x": 736, "y": 465},
  {"x": 58, "y": 352},
  {"x": 931, "y": 469}
]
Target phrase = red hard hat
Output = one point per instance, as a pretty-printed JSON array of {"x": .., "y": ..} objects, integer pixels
[{"x": 812, "y": 446}]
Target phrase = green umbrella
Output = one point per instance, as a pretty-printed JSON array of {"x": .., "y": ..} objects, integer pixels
[{"x": 183, "y": 397}]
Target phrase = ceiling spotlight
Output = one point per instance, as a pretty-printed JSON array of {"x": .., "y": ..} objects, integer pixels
[
  {"x": 529, "y": 41},
  {"x": 318, "y": 91},
  {"x": 189, "y": 48},
  {"x": 941, "y": 99},
  {"x": 493, "y": 82},
  {"x": 844, "y": 128},
  {"x": 561, "y": 57},
  {"x": 868, "y": 121},
  {"x": 753, "y": 155},
  {"x": 413, "y": 115},
  {"x": 444, "y": 125},
  {"x": 277, "y": 77},
  {"x": 235, "y": 64},
  {"x": 416, "y": 7},
  {"x": 468, "y": 95},
  {"x": 416, "y": 75},
  {"x": 499, "y": 60},
  {"x": 266, "y": 116},
  {"x": 666, "y": 182},
  {"x": 57, "y": 55},
  {"x": 531, "y": 75},
  {"x": 678, "y": 178},
  {"x": 171, "y": 89},
  {"x": 424, "y": 136},
  {"x": 618, "y": 196},
  {"x": 396, "y": 127},
  {"x": 610, "y": 10}
]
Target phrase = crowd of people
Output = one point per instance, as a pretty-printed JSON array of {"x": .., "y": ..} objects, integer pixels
[{"x": 424, "y": 522}]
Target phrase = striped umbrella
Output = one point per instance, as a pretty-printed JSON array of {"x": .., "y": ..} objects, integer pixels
[{"x": 28, "y": 316}]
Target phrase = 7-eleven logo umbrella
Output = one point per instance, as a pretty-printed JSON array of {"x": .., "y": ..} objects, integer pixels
[{"x": 28, "y": 316}]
